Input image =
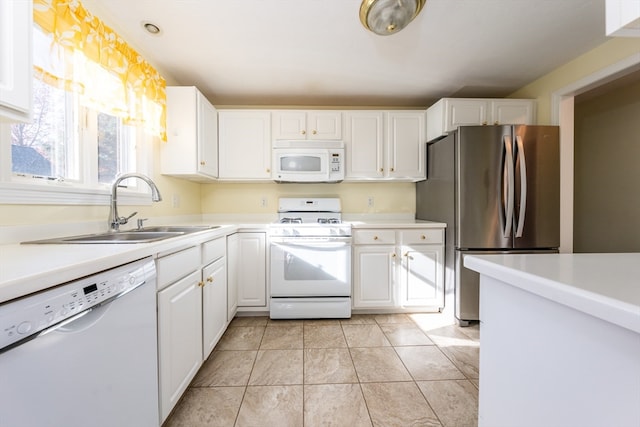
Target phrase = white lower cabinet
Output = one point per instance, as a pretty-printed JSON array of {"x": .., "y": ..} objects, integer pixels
[
  {"x": 214, "y": 304},
  {"x": 192, "y": 314},
  {"x": 179, "y": 339},
  {"x": 374, "y": 270},
  {"x": 232, "y": 276},
  {"x": 399, "y": 269},
  {"x": 249, "y": 261}
]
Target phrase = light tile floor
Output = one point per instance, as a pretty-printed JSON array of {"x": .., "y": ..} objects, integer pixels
[{"x": 370, "y": 370}]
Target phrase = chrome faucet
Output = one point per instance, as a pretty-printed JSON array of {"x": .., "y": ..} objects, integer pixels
[{"x": 116, "y": 221}]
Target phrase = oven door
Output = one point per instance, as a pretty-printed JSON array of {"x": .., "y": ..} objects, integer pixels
[{"x": 310, "y": 266}]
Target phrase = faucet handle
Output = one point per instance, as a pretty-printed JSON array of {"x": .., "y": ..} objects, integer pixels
[
  {"x": 141, "y": 222},
  {"x": 123, "y": 220}
]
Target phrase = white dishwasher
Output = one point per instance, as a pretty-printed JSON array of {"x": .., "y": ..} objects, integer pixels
[{"x": 83, "y": 353}]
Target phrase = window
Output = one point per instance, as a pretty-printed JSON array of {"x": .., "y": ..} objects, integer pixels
[{"x": 97, "y": 107}]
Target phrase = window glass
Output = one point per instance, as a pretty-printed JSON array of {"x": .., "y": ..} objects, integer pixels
[
  {"x": 46, "y": 147},
  {"x": 115, "y": 151}
]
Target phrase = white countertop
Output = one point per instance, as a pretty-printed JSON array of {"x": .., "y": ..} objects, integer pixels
[
  {"x": 31, "y": 268},
  {"x": 404, "y": 223},
  {"x": 606, "y": 286},
  {"x": 25, "y": 269}
]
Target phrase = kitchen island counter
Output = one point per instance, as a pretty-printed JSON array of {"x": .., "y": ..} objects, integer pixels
[{"x": 560, "y": 339}]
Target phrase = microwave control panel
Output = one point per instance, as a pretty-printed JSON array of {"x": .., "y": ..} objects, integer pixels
[{"x": 335, "y": 162}]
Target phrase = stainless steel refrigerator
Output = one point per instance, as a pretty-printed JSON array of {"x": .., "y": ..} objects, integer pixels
[{"x": 498, "y": 190}]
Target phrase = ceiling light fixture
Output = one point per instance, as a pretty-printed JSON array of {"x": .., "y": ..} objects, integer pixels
[
  {"x": 151, "y": 28},
  {"x": 385, "y": 17}
]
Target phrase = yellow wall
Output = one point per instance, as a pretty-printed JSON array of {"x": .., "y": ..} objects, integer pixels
[
  {"x": 608, "y": 53},
  {"x": 223, "y": 198}
]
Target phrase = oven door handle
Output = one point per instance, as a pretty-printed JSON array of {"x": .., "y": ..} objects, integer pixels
[{"x": 309, "y": 241}]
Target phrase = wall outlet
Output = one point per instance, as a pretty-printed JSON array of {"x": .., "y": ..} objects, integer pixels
[
  {"x": 175, "y": 201},
  {"x": 263, "y": 202},
  {"x": 370, "y": 201}
]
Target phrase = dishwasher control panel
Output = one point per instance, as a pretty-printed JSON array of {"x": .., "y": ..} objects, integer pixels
[{"x": 31, "y": 315}]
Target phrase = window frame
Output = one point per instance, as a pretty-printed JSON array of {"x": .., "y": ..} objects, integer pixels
[{"x": 15, "y": 189}]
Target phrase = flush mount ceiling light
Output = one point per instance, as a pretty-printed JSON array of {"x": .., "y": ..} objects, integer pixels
[
  {"x": 151, "y": 28},
  {"x": 385, "y": 17}
]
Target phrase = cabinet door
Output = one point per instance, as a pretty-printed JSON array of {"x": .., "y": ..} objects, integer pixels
[
  {"x": 251, "y": 272},
  {"x": 406, "y": 145},
  {"x": 513, "y": 112},
  {"x": 422, "y": 276},
  {"x": 465, "y": 112},
  {"x": 179, "y": 339},
  {"x": 207, "y": 137},
  {"x": 191, "y": 150},
  {"x": 324, "y": 125},
  {"x": 374, "y": 268},
  {"x": 214, "y": 304},
  {"x": 244, "y": 145},
  {"x": 289, "y": 125},
  {"x": 364, "y": 144},
  {"x": 232, "y": 276},
  {"x": 15, "y": 59}
]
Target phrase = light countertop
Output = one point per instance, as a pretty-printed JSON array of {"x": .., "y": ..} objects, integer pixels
[
  {"x": 403, "y": 223},
  {"x": 33, "y": 267},
  {"x": 606, "y": 286},
  {"x": 25, "y": 269}
]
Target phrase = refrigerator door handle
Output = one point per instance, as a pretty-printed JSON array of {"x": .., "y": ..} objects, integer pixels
[
  {"x": 508, "y": 162},
  {"x": 523, "y": 186}
]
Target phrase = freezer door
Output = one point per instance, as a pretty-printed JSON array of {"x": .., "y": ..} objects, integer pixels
[
  {"x": 484, "y": 187},
  {"x": 536, "y": 222}
]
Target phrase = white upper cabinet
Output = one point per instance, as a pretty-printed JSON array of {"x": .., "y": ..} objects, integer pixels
[
  {"x": 364, "y": 145},
  {"x": 244, "y": 144},
  {"x": 623, "y": 18},
  {"x": 448, "y": 113},
  {"x": 302, "y": 125},
  {"x": 191, "y": 150},
  {"x": 16, "y": 27},
  {"x": 406, "y": 145},
  {"x": 385, "y": 145}
]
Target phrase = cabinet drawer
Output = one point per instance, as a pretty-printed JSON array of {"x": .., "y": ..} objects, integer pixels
[
  {"x": 374, "y": 237},
  {"x": 422, "y": 236},
  {"x": 214, "y": 249},
  {"x": 177, "y": 265}
]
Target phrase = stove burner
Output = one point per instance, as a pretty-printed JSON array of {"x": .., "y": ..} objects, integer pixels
[
  {"x": 288, "y": 220},
  {"x": 329, "y": 221}
]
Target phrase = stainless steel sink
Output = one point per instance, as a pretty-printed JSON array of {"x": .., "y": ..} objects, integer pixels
[
  {"x": 176, "y": 228},
  {"x": 143, "y": 235},
  {"x": 113, "y": 237}
]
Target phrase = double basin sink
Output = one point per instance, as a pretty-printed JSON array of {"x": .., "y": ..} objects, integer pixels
[{"x": 140, "y": 235}]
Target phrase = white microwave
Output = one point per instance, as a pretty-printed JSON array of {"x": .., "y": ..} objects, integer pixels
[{"x": 308, "y": 161}]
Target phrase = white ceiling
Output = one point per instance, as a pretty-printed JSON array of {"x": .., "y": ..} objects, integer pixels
[{"x": 316, "y": 52}]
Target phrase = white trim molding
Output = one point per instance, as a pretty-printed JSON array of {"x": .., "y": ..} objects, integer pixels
[{"x": 562, "y": 114}]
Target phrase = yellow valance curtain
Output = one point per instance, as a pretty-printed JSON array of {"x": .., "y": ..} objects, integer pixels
[{"x": 78, "y": 52}]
